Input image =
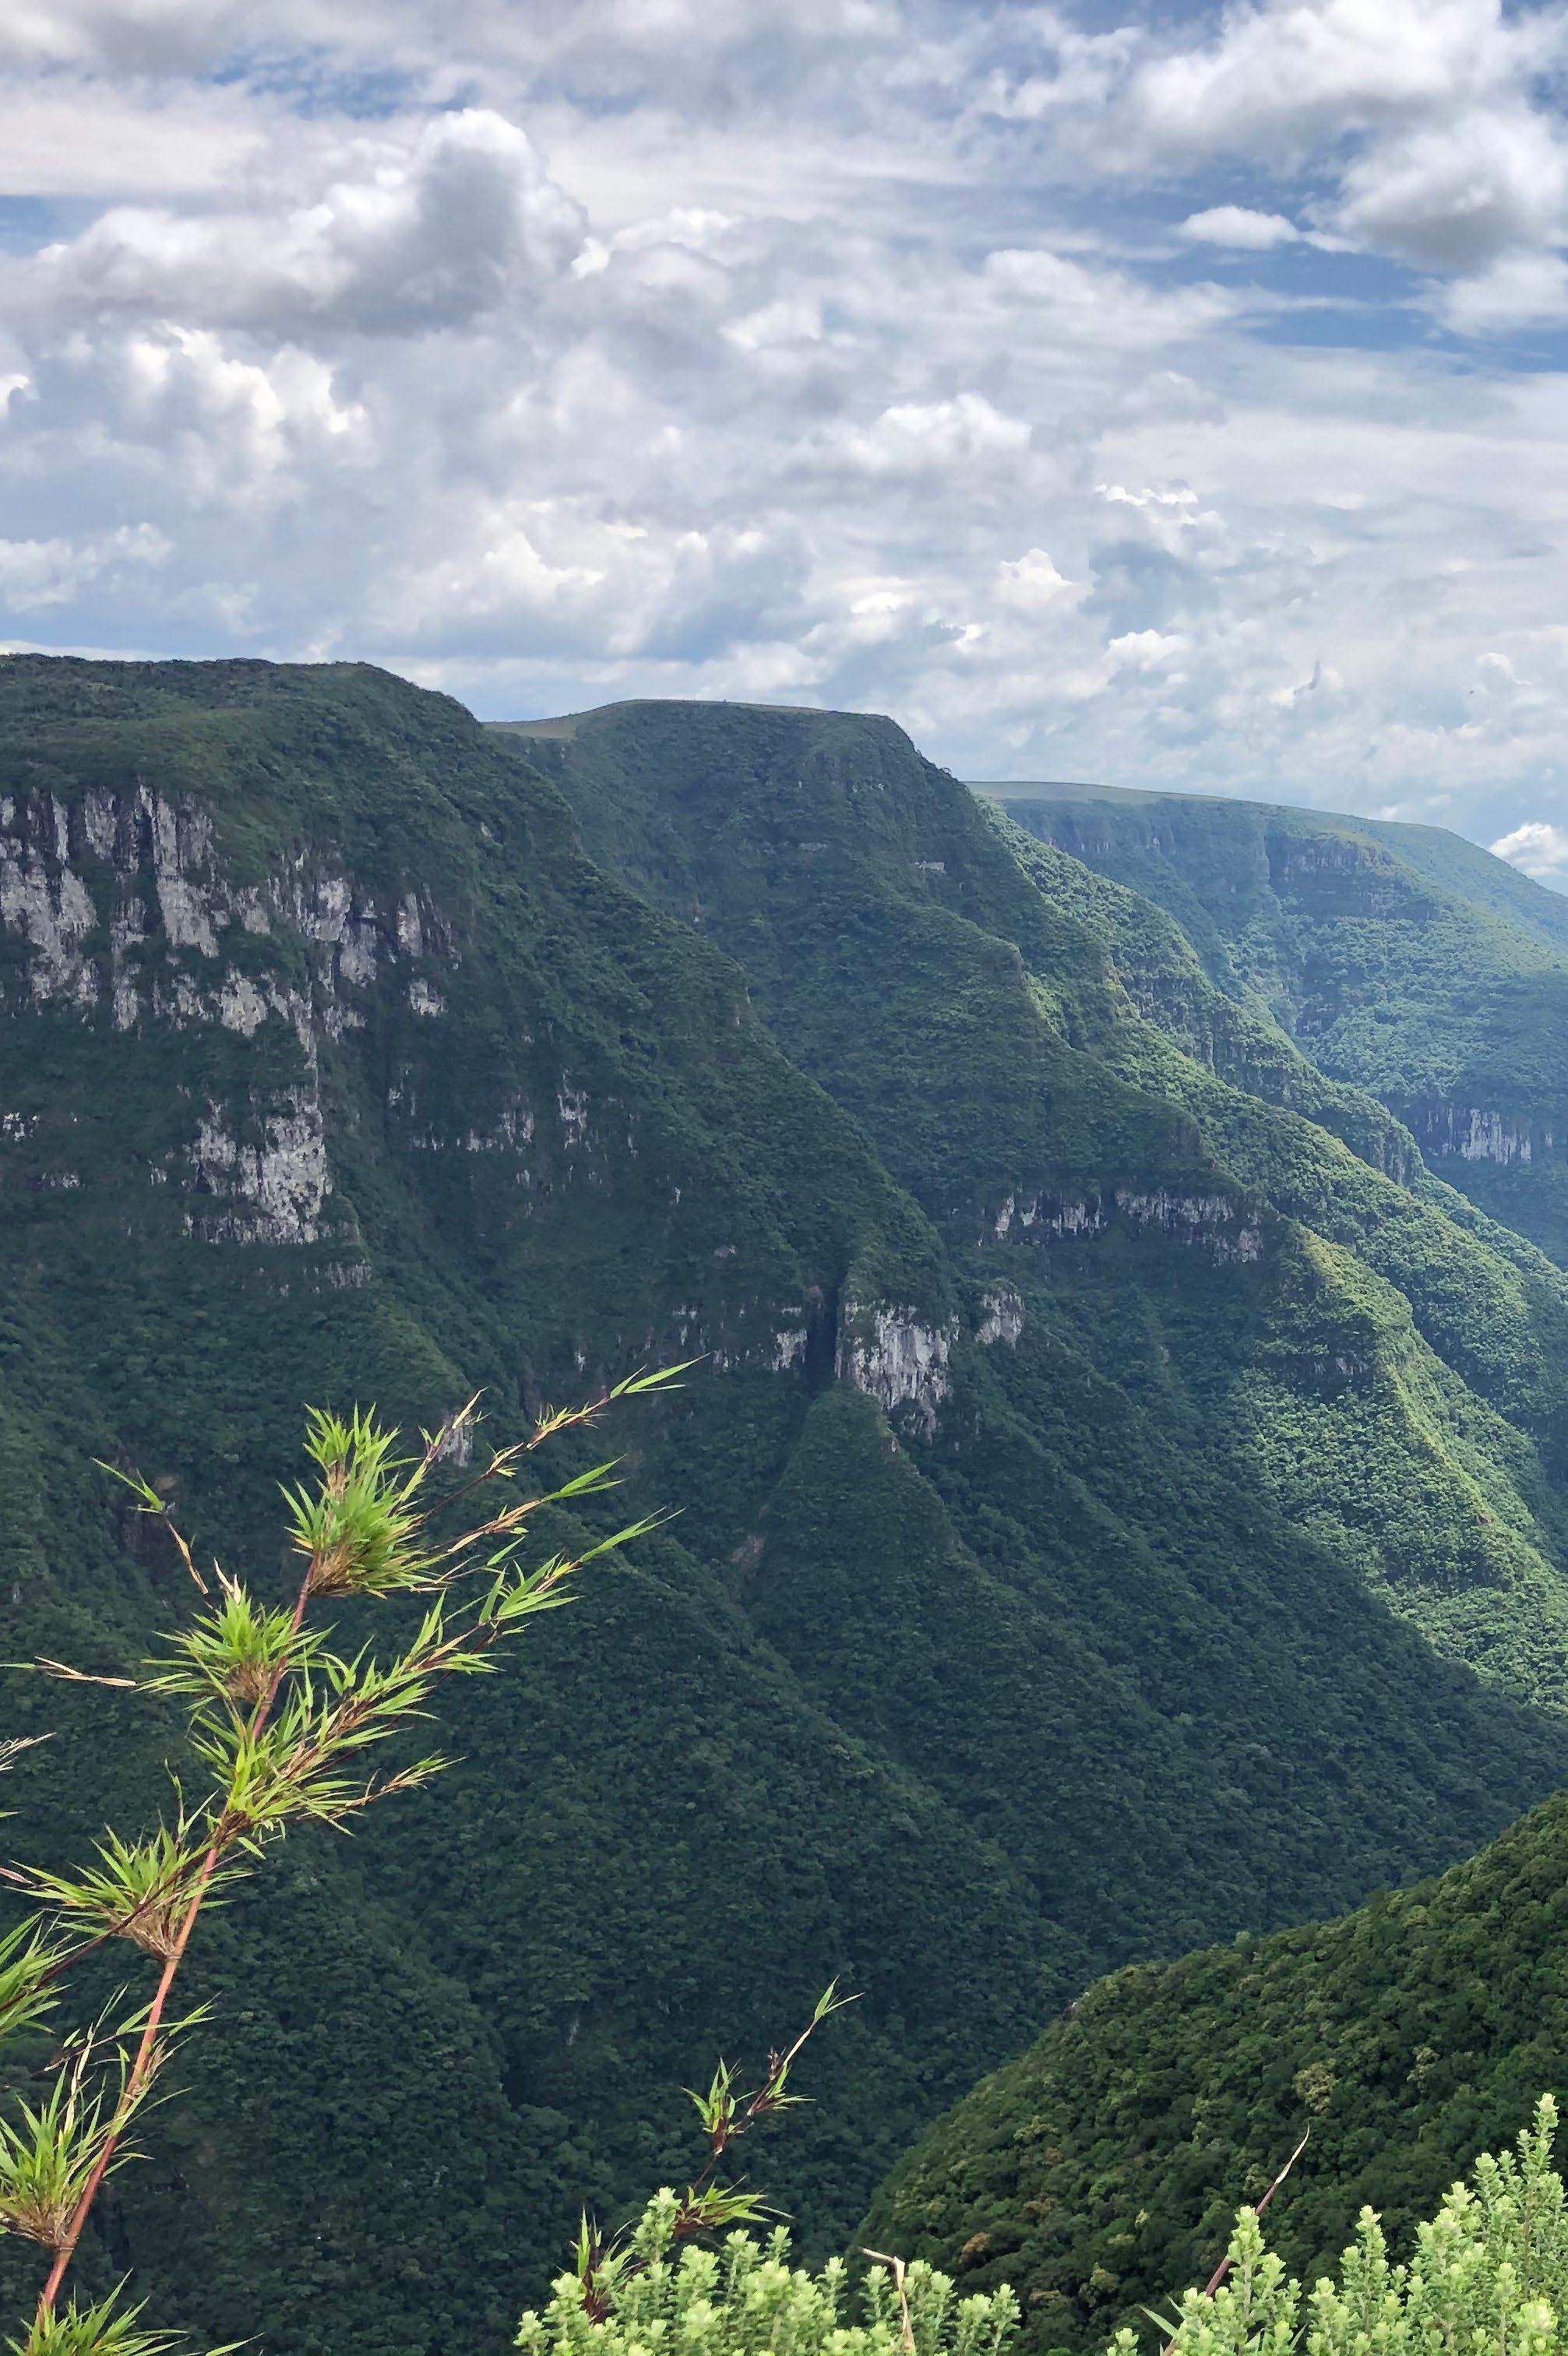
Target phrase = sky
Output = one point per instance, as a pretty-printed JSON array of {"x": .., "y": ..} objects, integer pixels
[{"x": 1160, "y": 395}]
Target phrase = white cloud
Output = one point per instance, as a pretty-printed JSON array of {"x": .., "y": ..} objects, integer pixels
[
  {"x": 426, "y": 233},
  {"x": 134, "y": 36},
  {"x": 1297, "y": 73},
  {"x": 647, "y": 347},
  {"x": 1143, "y": 649},
  {"x": 1518, "y": 290},
  {"x": 1538, "y": 847},
  {"x": 240, "y": 429},
  {"x": 1234, "y": 225},
  {"x": 69, "y": 135},
  {"x": 36, "y": 573},
  {"x": 1095, "y": 305},
  {"x": 602, "y": 48},
  {"x": 915, "y": 437},
  {"x": 1433, "y": 125},
  {"x": 1031, "y": 581},
  {"x": 1456, "y": 195}
]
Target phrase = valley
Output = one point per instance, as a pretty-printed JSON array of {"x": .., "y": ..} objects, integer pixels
[{"x": 1123, "y": 1494}]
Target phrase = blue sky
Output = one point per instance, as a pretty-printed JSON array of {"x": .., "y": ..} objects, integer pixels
[{"x": 1172, "y": 397}]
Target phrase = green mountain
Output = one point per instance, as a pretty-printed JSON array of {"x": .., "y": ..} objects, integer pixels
[
  {"x": 1100, "y": 2173},
  {"x": 1399, "y": 958},
  {"x": 1123, "y": 1501},
  {"x": 1149, "y": 1173}
]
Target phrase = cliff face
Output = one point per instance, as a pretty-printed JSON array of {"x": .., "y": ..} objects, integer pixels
[
  {"x": 1115, "y": 1508},
  {"x": 1476, "y": 1133},
  {"x": 332, "y": 1071},
  {"x": 352, "y": 997}
]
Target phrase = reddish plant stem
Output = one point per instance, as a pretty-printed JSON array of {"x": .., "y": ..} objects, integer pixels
[
  {"x": 147, "y": 2050},
  {"x": 140, "y": 2071},
  {"x": 1223, "y": 2268}
]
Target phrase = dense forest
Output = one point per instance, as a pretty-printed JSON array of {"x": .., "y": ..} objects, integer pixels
[
  {"x": 1101, "y": 2171},
  {"x": 1123, "y": 1499}
]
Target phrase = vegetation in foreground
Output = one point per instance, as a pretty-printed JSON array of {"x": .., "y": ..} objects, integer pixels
[
  {"x": 277, "y": 1725},
  {"x": 1488, "y": 2272},
  {"x": 746, "y": 2297}
]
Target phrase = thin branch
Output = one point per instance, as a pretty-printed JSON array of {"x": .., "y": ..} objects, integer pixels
[
  {"x": 146, "y": 2054},
  {"x": 357, "y": 1716},
  {"x": 906, "y": 2324},
  {"x": 1223, "y": 2268}
]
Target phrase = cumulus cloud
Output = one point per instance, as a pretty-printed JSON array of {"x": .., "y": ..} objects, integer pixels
[
  {"x": 1031, "y": 581},
  {"x": 1538, "y": 847},
  {"x": 34, "y": 573},
  {"x": 838, "y": 354},
  {"x": 930, "y": 437},
  {"x": 1518, "y": 290},
  {"x": 1455, "y": 196},
  {"x": 1431, "y": 128},
  {"x": 427, "y": 233},
  {"x": 1297, "y": 73}
]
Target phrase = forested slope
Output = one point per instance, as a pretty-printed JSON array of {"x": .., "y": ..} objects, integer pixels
[
  {"x": 1101, "y": 2173},
  {"x": 1152, "y": 1175},
  {"x": 1027, "y": 1612},
  {"x": 1401, "y": 957}
]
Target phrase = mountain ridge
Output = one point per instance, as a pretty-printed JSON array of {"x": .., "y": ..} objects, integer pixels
[
  {"x": 1439, "y": 851},
  {"x": 337, "y": 1067},
  {"x": 1051, "y": 1093}
]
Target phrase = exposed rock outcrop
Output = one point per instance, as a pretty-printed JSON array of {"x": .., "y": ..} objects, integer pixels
[
  {"x": 1218, "y": 1222},
  {"x": 1478, "y": 1134},
  {"x": 1001, "y": 1319},
  {"x": 268, "y": 1180},
  {"x": 896, "y": 1357}
]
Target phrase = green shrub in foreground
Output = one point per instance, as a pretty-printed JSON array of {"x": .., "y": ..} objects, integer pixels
[
  {"x": 1489, "y": 2272},
  {"x": 1488, "y": 2277},
  {"x": 654, "y": 2293}
]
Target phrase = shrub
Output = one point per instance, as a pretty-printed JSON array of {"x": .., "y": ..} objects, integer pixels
[
  {"x": 658, "y": 2293},
  {"x": 1489, "y": 2272}
]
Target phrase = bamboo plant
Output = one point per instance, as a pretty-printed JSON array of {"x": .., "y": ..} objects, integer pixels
[{"x": 280, "y": 1724}]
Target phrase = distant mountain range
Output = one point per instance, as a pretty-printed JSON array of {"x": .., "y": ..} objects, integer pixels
[
  {"x": 1401, "y": 959},
  {"x": 1124, "y": 1501}
]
